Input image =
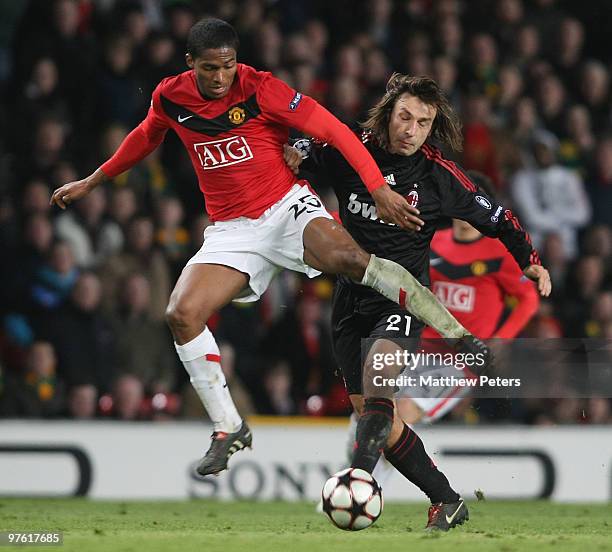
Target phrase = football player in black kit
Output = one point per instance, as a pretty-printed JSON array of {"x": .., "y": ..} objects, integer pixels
[{"x": 412, "y": 112}]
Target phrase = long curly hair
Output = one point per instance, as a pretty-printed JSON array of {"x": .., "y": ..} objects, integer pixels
[{"x": 446, "y": 127}]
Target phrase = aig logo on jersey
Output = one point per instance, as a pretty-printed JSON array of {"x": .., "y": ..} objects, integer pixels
[
  {"x": 457, "y": 297},
  {"x": 222, "y": 153}
]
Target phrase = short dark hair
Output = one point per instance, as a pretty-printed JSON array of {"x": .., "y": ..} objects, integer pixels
[
  {"x": 446, "y": 126},
  {"x": 211, "y": 34}
]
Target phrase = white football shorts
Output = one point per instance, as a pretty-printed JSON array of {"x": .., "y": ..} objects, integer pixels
[{"x": 262, "y": 247}]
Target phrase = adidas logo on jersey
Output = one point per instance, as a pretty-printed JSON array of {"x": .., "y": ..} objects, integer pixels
[{"x": 390, "y": 179}]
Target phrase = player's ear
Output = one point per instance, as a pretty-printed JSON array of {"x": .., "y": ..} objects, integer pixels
[{"x": 189, "y": 61}]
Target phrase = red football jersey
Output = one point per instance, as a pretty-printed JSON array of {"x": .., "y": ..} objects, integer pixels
[
  {"x": 472, "y": 279},
  {"x": 236, "y": 142}
]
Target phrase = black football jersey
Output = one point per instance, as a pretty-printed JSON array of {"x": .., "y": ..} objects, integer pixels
[{"x": 436, "y": 186}]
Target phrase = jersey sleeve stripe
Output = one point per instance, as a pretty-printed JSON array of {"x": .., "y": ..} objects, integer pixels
[{"x": 434, "y": 155}]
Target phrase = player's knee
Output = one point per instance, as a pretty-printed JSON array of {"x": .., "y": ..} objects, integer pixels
[{"x": 181, "y": 315}]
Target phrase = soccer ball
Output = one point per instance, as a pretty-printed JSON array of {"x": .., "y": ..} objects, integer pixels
[{"x": 352, "y": 499}]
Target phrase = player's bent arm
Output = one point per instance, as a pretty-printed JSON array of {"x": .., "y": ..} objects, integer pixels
[
  {"x": 390, "y": 205},
  {"x": 135, "y": 147}
]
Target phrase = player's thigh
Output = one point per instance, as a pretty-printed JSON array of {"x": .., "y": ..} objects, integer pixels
[
  {"x": 204, "y": 288},
  {"x": 393, "y": 337},
  {"x": 329, "y": 247}
]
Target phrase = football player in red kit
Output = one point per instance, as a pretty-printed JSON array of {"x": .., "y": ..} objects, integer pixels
[
  {"x": 472, "y": 275},
  {"x": 234, "y": 121}
]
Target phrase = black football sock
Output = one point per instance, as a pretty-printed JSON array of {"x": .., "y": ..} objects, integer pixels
[
  {"x": 408, "y": 456},
  {"x": 372, "y": 432}
]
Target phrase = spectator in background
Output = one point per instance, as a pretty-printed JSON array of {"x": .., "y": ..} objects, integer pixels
[
  {"x": 82, "y": 336},
  {"x": 127, "y": 398},
  {"x": 586, "y": 280},
  {"x": 142, "y": 345},
  {"x": 568, "y": 51},
  {"x": 479, "y": 150},
  {"x": 139, "y": 255},
  {"x": 48, "y": 149},
  {"x": 122, "y": 207},
  {"x": 27, "y": 259},
  {"x": 35, "y": 198},
  {"x": 171, "y": 236},
  {"x": 599, "y": 182},
  {"x": 54, "y": 280},
  {"x": 527, "y": 47},
  {"x": 92, "y": 238},
  {"x": 595, "y": 92},
  {"x": 550, "y": 197},
  {"x": 36, "y": 392},
  {"x": 552, "y": 103},
  {"x": 449, "y": 37},
  {"x": 577, "y": 147},
  {"x": 119, "y": 100},
  {"x": 41, "y": 97},
  {"x": 301, "y": 339},
  {"x": 82, "y": 401}
]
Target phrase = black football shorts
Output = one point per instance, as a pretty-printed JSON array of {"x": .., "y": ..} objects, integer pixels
[{"x": 356, "y": 317}]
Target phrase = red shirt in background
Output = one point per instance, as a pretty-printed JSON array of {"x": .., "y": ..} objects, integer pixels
[{"x": 473, "y": 279}]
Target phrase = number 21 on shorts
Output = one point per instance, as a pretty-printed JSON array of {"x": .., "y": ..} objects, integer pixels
[{"x": 394, "y": 321}]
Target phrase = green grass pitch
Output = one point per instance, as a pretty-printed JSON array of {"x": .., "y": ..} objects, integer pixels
[{"x": 205, "y": 526}]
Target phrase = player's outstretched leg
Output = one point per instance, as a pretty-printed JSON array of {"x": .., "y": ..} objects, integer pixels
[
  {"x": 201, "y": 290},
  {"x": 330, "y": 248}
]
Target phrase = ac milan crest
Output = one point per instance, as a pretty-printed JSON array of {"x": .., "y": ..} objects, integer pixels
[{"x": 413, "y": 198}]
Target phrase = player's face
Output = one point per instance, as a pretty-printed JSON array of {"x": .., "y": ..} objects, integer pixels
[
  {"x": 215, "y": 70},
  {"x": 410, "y": 124}
]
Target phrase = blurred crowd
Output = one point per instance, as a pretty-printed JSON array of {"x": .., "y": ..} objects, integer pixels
[{"x": 83, "y": 291}]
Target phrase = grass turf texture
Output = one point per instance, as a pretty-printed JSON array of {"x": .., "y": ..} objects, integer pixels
[{"x": 293, "y": 527}]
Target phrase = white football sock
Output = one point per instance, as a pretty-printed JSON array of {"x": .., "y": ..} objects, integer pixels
[
  {"x": 201, "y": 359},
  {"x": 397, "y": 284}
]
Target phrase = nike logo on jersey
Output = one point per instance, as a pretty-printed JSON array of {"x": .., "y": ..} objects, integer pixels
[
  {"x": 449, "y": 519},
  {"x": 226, "y": 121}
]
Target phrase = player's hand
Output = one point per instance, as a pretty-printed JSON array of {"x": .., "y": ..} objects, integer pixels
[
  {"x": 66, "y": 194},
  {"x": 393, "y": 207},
  {"x": 541, "y": 276},
  {"x": 292, "y": 157}
]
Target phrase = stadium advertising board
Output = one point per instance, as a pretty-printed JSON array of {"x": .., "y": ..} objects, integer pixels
[{"x": 291, "y": 462}]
